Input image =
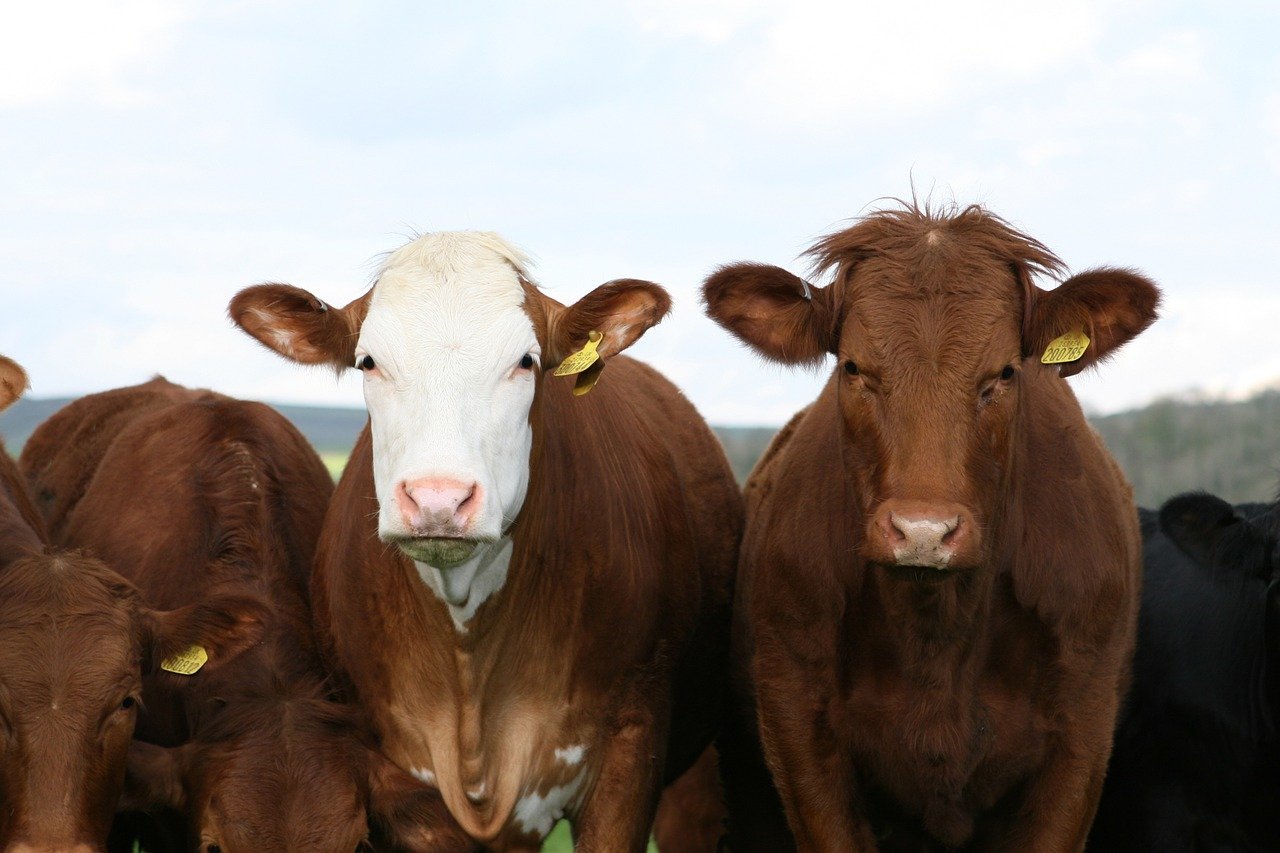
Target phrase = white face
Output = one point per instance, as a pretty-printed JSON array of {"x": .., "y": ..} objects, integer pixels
[{"x": 454, "y": 356}]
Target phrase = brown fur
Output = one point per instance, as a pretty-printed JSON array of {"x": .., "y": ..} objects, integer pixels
[
  {"x": 195, "y": 494},
  {"x": 931, "y": 709},
  {"x": 75, "y": 641},
  {"x": 610, "y": 631}
]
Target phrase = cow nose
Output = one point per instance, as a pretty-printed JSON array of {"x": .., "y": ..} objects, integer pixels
[
  {"x": 919, "y": 534},
  {"x": 437, "y": 506}
]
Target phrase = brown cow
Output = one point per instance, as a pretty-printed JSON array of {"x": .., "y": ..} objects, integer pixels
[
  {"x": 529, "y": 590},
  {"x": 939, "y": 578},
  {"x": 75, "y": 639},
  {"x": 193, "y": 493}
]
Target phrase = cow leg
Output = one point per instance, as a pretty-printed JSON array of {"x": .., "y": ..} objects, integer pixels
[
  {"x": 619, "y": 811},
  {"x": 1061, "y": 802},
  {"x": 813, "y": 774}
]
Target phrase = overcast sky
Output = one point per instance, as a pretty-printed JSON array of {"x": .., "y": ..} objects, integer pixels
[{"x": 155, "y": 157}]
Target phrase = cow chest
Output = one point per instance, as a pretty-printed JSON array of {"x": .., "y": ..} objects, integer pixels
[{"x": 941, "y": 744}]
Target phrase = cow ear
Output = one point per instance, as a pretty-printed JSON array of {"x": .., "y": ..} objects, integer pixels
[
  {"x": 300, "y": 326},
  {"x": 154, "y": 778},
  {"x": 224, "y": 626},
  {"x": 621, "y": 311},
  {"x": 778, "y": 314},
  {"x": 1210, "y": 531},
  {"x": 406, "y": 814},
  {"x": 1111, "y": 306},
  {"x": 13, "y": 381}
]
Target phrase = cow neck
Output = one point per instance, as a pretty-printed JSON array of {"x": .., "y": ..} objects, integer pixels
[{"x": 464, "y": 588}]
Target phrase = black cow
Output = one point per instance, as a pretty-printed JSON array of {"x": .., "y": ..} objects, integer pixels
[{"x": 1196, "y": 762}]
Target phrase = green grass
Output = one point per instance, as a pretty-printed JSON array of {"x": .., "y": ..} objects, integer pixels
[
  {"x": 561, "y": 840},
  {"x": 335, "y": 461}
]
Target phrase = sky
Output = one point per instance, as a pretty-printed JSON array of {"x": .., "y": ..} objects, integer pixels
[{"x": 156, "y": 156}]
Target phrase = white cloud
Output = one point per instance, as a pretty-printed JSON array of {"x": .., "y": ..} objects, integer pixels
[
  {"x": 821, "y": 67},
  {"x": 82, "y": 49}
]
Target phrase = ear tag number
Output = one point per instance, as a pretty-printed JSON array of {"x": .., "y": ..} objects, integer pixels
[
  {"x": 583, "y": 358},
  {"x": 187, "y": 662},
  {"x": 1068, "y": 347}
]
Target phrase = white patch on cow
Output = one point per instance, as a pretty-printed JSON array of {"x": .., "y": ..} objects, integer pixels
[
  {"x": 536, "y": 813},
  {"x": 447, "y": 329},
  {"x": 464, "y": 588},
  {"x": 476, "y": 794},
  {"x": 572, "y": 755},
  {"x": 423, "y": 775}
]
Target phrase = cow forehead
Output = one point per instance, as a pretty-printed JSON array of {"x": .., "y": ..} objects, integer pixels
[{"x": 454, "y": 289}]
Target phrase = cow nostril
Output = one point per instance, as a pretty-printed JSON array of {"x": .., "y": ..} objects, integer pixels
[{"x": 953, "y": 533}]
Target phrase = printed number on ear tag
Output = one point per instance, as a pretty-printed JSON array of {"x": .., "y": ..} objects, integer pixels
[
  {"x": 1066, "y": 348},
  {"x": 187, "y": 662},
  {"x": 583, "y": 358}
]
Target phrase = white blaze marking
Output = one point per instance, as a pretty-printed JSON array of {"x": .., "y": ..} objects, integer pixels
[
  {"x": 536, "y": 814},
  {"x": 464, "y": 588},
  {"x": 572, "y": 755}
]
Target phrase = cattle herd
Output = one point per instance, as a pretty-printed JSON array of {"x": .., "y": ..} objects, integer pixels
[{"x": 933, "y": 620}]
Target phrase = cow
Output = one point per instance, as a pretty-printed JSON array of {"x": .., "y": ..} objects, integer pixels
[
  {"x": 1196, "y": 763},
  {"x": 939, "y": 578},
  {"x": 526, "y": 581},
  {"x": 75, "y": 640},
  {"x": 194, "y": 494}
]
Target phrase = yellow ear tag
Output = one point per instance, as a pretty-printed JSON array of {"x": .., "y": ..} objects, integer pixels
[
  {"x": 583, "y": 358},
  {"x": 186, "y": 663},
  {"x": 587, "y": 379},
  {"x": 1066, "y": 348}
]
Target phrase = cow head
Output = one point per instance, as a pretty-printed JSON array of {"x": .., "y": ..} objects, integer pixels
[
  {"x": 13, "y": 381},
  {"x": 289, "y": 775},
  {"x": 935, "y": 324},
  {"x": 1232, "y": 549},
  {"x": 452, "y": 341},
  {"x": 75, "y": 639}
]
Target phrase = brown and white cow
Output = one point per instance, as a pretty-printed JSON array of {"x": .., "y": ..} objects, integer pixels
[
  {"x": 939, "y": 579},
  {"x": 75, "y": 640},
  {"x": 193, "y": 494},
  {"x": 528, "y": 589}
]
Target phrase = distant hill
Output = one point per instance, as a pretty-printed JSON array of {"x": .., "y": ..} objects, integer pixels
[{"x": 1229, "y": 448}]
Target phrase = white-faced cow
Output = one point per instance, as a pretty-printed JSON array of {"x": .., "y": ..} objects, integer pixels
[
  {"x": 939, "y": 579},
  {"x": 527, "y": 588}
]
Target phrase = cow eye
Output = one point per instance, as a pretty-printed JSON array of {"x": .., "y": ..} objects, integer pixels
[
  {"x": 526, "y": 362},
  {"x": 1007, "y": 373},
  {"x": 851, "y": 368},
  {"x": 365, "y": 363},
  {"x": 128, "y": 703}
]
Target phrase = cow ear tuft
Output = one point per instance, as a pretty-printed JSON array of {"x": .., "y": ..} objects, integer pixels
[
  {"x": 778, "y": 314},
  {"x": 13, "y": 382},
  {"x": 1216, "y": 537},
  {"x": 621, "y": 311},
  {"x": 298, "y": 325},
  {"x": 224, "y": 626},
  {"x": 1111, "y": 306}
]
